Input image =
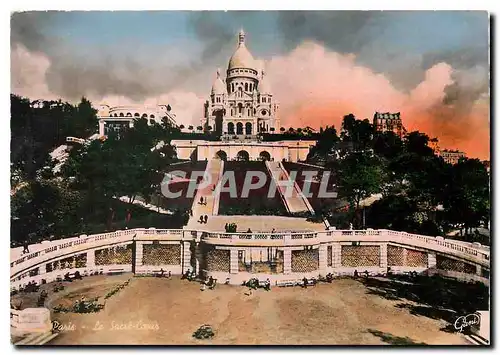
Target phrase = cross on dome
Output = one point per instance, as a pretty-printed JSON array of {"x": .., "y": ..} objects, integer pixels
[{"x": 241, "y": 37}]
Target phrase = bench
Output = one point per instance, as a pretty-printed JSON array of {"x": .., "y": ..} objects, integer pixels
[
  {"x": 116, "y": 271},
  {"x": 310, "y": 282},
  {"x": 286, "y": 283}
]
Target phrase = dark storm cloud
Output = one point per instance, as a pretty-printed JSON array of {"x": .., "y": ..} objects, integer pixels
[
  {"x": 103, "y": 72},
  {"x": 342, "y": 31},
  {"x": 27, "y": 29}
]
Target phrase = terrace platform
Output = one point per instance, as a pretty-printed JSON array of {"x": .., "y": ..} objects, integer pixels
[{"x": 257, "y": 224}]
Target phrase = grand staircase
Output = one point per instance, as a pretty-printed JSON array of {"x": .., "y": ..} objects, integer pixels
[{"x": 295, "y": 201}]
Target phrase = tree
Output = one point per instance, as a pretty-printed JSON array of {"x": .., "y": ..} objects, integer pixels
[
  {"x": 466, "y": 196},
  {"x": 360, "y": 176},
  {"x": 388, "y": 145},
  {"x": 357, "y": 133},
  {"x": 325, "y": 143}
]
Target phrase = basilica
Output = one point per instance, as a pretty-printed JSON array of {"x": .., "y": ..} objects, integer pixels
[
  {"x": 240, "y": 109},
  {"x": 242, "y": 104}
]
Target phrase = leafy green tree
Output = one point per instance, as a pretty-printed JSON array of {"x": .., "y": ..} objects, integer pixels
[
  {"x": 467, "y": 195},
  {"x": 325, "y": 144},
  {"x": 358, "y": 134},
  {"x": 360, "y": 176}
]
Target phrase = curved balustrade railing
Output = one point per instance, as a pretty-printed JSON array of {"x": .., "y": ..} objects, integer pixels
[{"x": 74, "y": 245}]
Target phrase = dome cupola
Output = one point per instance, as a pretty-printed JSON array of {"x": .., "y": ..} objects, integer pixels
[
  {"x": 219, "y": 87},
  {"x": 242, "y": 58}
]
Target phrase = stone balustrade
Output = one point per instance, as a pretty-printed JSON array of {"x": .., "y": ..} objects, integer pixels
[{"x": 55, "y": 251}]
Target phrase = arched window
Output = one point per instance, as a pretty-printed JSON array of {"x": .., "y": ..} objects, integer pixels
[
  {"x": 248, "y": 112},
  {"x": 232, "y": 87},
  {"x": 144, "y": 115},
  {"x": 152, "y": 116},
  {"x": 121, "y": 114},
  {"x": 129, "y": 114},
  {"x": 239, "y": 128},
  {"x": 248, "y": 128},
  {"x": 230, "y": 128},
  {"x": 246, "y": 86},
  {"x": 240, "y": 107},
  {"x": 136, "y": 114}
]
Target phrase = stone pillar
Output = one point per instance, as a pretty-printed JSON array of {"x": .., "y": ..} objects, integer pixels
[
  {"x": 431, "y": 260},
  {"x": 336, "y": 255},
  {"x": 478, "y": 270},
  {"x": 198, "y": 257},
  {"x": 90, "y": 263},
  {"x": 233, "y": 261},
  {"x": 287, "y": 261},
  {"x": 186, "y": 256},
  {"x": 101, "y": 127},
  {"x": 383, "y": 256},
  {"x": 139, "y": 249},
  {"x": 323, "y": 262},
  {"x": 405, "y": 257}
]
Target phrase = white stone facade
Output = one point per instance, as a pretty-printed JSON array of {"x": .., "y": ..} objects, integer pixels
[
  {"x": 112, "y": 118},
  {"x": 293, "y": 151},
  {"x": 242, "y": 104}
]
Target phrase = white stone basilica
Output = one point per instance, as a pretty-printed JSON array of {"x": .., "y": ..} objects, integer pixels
[
  {"x": 243, "y": 103},
  {"x": 239, "y": 110}
]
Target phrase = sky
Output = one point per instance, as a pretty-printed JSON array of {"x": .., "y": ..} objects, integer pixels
[{"x": 432, "y": 66}]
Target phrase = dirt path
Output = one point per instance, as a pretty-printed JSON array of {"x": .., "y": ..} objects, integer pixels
[{"x": 167, "y": 311}]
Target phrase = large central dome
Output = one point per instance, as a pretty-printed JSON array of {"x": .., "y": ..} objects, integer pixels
[{"x": 242, "y": 57}]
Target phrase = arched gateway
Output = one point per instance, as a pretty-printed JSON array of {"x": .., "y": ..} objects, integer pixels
[
  {"x": 243, "y": 156},
  {"x": 264, "y": 155},
  {"x": 222, "y": 155}
]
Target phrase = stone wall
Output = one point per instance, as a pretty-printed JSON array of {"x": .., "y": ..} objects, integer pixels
[
  {"x": 72, "y": 262},
  {"x": 395, "y": 256},
  {"x": 119, "y": 255},
  {"x": 415, "y": 258},
  {"x": 448, "y": 264},
  {"x": 217, "y": 260},
  {"x": 360, "y": 255},
  {"x": 161, "y": 254},
  {"x": 305, "y": 260}
]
